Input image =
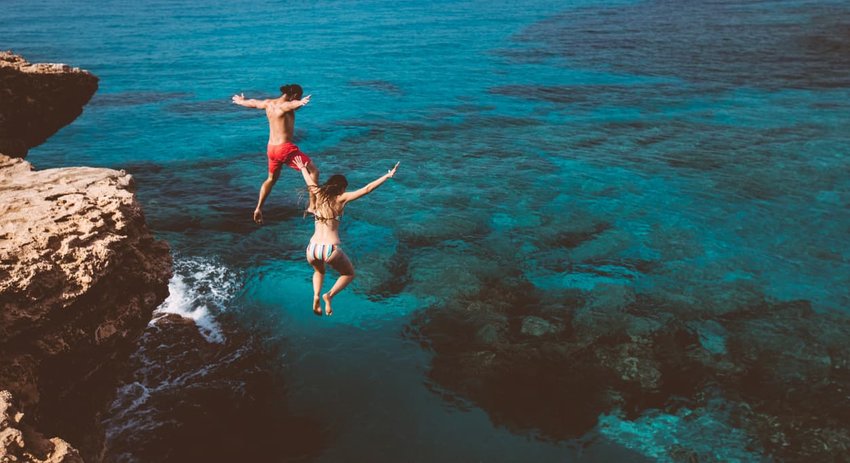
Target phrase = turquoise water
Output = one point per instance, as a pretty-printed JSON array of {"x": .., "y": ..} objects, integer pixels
[{"x": 692, "y": 153}]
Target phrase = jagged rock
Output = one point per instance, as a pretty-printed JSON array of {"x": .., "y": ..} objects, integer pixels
[
  {"x": 19, "y": 442},
  {"x": 36, "y": 100}
]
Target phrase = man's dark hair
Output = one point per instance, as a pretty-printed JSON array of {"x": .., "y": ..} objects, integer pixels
[{"x": 293, "y": 90}]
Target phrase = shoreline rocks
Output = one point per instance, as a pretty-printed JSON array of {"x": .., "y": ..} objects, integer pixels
[{"x": 80, "y": 272}]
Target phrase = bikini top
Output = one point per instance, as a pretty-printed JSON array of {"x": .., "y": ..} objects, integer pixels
[
  {"x": 325, "y": 219},
  {"x": 320, "y": 218}
]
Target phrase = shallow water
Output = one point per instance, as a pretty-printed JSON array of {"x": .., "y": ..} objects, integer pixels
[{"x": 687, "y": 151}]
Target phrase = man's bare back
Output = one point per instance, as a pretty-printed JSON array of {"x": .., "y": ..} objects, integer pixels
[{"x": 281, "y": 120}]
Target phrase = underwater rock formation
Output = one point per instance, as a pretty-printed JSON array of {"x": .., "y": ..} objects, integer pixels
[
  {"x": 36, "y": 100},
  {"x": 80, "y": 272},
  {"x": 771, "y": 375}
]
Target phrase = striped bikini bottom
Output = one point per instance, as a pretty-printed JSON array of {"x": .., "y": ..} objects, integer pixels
[{"x": 321, "y": 252}]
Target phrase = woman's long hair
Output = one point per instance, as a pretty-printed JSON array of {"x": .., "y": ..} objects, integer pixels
[{"x": 327, "y": 192}]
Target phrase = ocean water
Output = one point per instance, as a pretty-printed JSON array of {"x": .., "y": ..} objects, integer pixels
[{"x": 682, "y": 161}]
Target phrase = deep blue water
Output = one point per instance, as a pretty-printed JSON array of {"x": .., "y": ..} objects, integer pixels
[{"x": 685, "y": 151}]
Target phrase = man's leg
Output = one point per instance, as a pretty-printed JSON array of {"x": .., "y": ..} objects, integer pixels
[{"x": 264, "y": 193}]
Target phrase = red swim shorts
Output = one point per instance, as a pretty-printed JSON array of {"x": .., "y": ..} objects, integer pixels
[{"x": 285, "y": 153}]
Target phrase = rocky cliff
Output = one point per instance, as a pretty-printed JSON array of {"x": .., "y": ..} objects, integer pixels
[
  {"x": 36, "y": 100},
  {"x": 80, "y": 273}
]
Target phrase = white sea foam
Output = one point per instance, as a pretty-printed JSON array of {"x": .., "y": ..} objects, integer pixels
[{"x": 199, "y": 290}]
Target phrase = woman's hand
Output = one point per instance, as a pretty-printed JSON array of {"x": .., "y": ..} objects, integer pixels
[
  {"x": 391, "y": 172},
  {"x": 299, "y": 162}
]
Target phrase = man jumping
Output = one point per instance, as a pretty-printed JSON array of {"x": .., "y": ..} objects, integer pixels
[{"x": 281, "y": 114}]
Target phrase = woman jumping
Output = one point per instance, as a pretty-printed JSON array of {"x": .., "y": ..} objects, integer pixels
[{"x": 324, "y": 247}]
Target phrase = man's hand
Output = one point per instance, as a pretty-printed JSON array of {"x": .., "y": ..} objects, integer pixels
[
  {"x": 305, "y": 100},
  {"x": 238, "y": 99},
  {"x": 258, "y": 216},
  {"x": 391, "y": 172}
]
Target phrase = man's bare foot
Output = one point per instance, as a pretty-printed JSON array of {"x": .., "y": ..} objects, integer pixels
[
  {"x": 328, "y": 310},
  {"x": 317, "y": 306},
  {"x": 258, "y": 216}
]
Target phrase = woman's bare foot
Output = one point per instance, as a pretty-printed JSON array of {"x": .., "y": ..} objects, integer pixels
[
  {"x": 317, "y": 306},
  {"x": 328, "y": 310}
]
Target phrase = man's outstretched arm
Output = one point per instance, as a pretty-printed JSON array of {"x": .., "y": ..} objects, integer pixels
[{"x": 249, "y": 103}]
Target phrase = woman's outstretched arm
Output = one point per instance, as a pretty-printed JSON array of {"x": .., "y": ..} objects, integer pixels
[
  {"x": 299, "y": 163},
  {"x": 351, "y": 196}
]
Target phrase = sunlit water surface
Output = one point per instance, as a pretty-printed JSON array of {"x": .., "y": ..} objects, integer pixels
[{"x": 701, "y": 164}]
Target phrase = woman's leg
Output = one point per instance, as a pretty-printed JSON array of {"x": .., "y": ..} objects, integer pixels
[
  {"x": 339, "y": 261},
  {"x": 318, "y": 279}
]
